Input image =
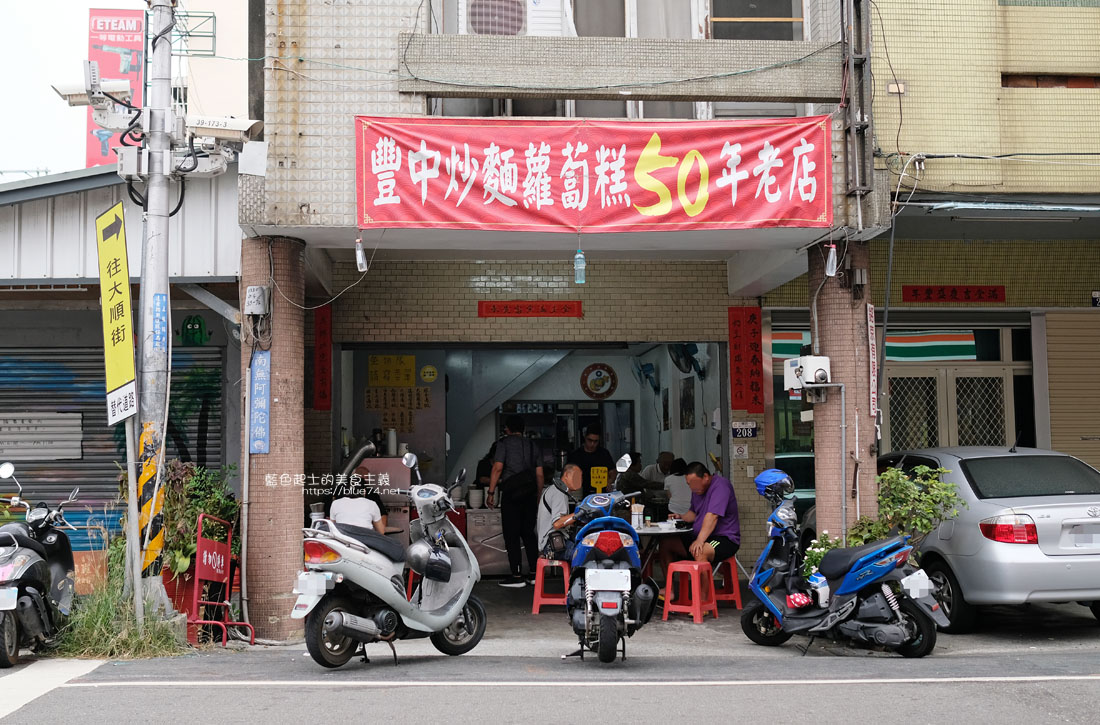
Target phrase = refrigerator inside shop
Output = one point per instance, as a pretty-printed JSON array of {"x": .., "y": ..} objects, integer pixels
[{"x": 558, "y": 426}]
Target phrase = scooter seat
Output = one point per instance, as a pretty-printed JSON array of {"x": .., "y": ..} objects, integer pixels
[
  {"x": 387, "y": 547},
  {"x": 24, "y": 541},
  {"x": 837, "y": 562}
]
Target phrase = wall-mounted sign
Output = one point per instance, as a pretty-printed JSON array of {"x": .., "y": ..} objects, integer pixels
[
  {"x": 598, "y": 381},
  {"x": 391, "y": 370},
  {"x": 1096, "y": 299},
  {"x": 529, "y": 308},
  {"x": 584, "y": 175},
  {"x": 259, "y": 403},
  {"x": 428, "y": 373},
  {"x": 872, "y": 357},
  {"x": 40, "y": 436},
  {"x": 743, "y": 429},
  {"x": 322, "y": 358},
  {"x": 740, "y": 451},
  {"x": 746, "y": 360},
  {"x": 949, "y": 293}
]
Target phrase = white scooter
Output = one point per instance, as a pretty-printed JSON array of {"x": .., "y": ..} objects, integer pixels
[{"x": 352, "y": 591}]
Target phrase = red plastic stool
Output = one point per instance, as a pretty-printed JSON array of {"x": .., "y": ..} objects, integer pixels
[
  {"x": 541, "y": 597},
  {"x": 696, "y": 593},
  {"x": 730, "y": 591}
]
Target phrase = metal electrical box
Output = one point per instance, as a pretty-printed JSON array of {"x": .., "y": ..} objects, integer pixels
[
  {"x": 257, "y": 300},
  {"x": 812, "y": 369}
]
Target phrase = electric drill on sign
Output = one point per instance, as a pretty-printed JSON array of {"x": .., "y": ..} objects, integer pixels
[{"x": 129, "y": 59}]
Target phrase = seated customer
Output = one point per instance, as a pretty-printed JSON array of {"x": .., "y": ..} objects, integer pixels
[
  {"x": 362, "y": 506},
  {"x": 716, "y": 529},
  {"x": 554, "y": 513},
  {"x": 631, "y": 480},
  {"x": 679, "y": 495},
  {"x": 657, "y": 472}
]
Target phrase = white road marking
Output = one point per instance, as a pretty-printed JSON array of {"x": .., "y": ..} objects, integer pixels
[
  {"x": 38, "y": 678},
  {"x": 375, "y": 684}
]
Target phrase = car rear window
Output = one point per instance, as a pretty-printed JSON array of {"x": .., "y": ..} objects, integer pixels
[{"x": 1012, "y": 476}]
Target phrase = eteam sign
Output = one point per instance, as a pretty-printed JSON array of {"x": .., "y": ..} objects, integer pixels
[{"x": 583, "y": 175}]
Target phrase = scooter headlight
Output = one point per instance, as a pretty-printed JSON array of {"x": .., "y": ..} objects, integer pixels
[{"x": 787, "y": 515}]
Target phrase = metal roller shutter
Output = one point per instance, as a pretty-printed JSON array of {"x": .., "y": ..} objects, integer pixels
[
  {"x": 1073, "y": 347},
  {"x": 53, "y": 420}
]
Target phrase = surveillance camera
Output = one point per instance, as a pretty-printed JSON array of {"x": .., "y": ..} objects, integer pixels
[
  {"x": 75, "y": 94},
  {"x": 224, "y": 128}
]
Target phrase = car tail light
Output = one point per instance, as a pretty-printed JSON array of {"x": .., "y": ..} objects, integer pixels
[
  {"x": 609, "y": 542},
  {"x": 314, "y": 552},
  {"x": 1010, "y": 529}
]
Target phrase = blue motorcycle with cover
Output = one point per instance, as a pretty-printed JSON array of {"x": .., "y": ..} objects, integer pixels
[{"x": 869, "y": 594}]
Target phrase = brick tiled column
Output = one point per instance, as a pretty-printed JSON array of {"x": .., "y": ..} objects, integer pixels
[
  {"x": 276, "y": 512},
  {"x": 842, "y": 324}
]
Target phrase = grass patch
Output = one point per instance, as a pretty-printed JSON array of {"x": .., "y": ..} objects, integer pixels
[{"x": 103, "y": 625}]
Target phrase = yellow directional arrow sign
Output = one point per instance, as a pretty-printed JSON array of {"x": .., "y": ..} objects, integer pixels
[{"x": 118, "y": 326}]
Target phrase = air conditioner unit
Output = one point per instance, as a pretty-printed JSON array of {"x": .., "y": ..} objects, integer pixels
[{"x": 515, "y": 17}]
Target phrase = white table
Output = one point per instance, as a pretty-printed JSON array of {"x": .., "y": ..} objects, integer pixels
[{"x": 655, "y": 533}]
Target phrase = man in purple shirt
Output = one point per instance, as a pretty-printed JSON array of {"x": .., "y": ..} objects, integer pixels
[{"x": 716, "y": 530}]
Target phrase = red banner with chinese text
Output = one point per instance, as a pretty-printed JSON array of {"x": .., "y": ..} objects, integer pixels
[
  {"x": 953, "y": 293},
  {"x": 116, "y": 40},
  {"x": 583, "y": 175},
  {"x": 746, "y": 360},
  {"x": 529, "y": 308},
  {"x": 322, "y": 358}
]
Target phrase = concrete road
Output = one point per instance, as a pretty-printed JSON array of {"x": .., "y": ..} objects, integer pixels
[{"x": 1034, "y": 664}]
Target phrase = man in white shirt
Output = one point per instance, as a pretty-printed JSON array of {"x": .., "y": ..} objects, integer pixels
[
  {"x": 679, "y": 493},
  {"x": 554, "y": 503},
  {"x": 657, "y": 472},
  {"x": 358, "y": 510}
]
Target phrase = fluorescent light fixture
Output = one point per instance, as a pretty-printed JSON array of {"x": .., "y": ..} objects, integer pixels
[{"x": 1043, "y": 219}]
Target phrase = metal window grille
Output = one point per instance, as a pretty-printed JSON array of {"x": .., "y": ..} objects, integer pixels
[
  {"x": 980, "y": 411},
  {"x": 914, "y": 413}
]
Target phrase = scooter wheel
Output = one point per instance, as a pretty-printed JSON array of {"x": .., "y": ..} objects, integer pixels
[
  {"x": 921, "y": 628},
  {"x": 465, "y": 632},
  {"x": 609, "y": 638},
  {"x": 328, "y": 649},
  {"x": 9, "y": 640},
  {"x": 760, "y": 626}
]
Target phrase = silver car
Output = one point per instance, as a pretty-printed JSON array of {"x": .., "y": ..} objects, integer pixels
[{"x": 1031, "y": 532}]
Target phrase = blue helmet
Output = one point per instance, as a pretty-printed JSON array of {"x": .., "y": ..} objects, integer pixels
[{"x": 772, "y": 477}]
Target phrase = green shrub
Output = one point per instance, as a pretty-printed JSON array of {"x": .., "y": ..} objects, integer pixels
[
  {"x": 908, "y": 505},
  {"x": 189, "y": 491}
]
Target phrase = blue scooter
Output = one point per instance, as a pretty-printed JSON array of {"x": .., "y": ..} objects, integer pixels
[
  {"x": 608, "y": 600},
  {"x": 867, "y": 594}
]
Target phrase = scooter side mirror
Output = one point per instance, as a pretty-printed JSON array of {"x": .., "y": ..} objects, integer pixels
[
  {"x": 461, "y": 477},
  {"x": 623, "y": 463},
  {"x": 409, "y": 460},
  {"x": 72, "y": 496},
  {"x": 6, "y": 469}
]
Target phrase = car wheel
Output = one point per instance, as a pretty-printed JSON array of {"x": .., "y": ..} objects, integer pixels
[{"x": 961, "y": 614}]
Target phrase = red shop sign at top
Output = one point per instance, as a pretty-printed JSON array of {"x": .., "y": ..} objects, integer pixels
[{"x": 584, "y": 175}]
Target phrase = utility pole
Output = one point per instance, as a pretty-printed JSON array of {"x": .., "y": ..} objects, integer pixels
[{"x": 155, "y": 298}]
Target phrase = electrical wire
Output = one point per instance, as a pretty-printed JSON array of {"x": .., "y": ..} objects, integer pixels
[
  {"x": 890, "y": 65},
  {"x": 314, "y": 307},
  {"x": 183, "y": 189},
  {"x": 134, "y": 195}
]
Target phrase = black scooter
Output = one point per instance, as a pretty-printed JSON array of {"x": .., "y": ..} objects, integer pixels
[{"x": 36, "y": 575}]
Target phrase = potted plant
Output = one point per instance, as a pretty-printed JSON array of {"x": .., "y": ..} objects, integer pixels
[{"x": 189, "y": 491}]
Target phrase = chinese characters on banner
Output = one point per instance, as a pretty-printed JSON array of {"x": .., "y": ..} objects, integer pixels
[
  {"x": 523, "y": 308},
  {"x": 586, "y": 175},
  {"x": 259, "y": 403},
  {"x": 118, "y": 325},
  {"x": 322, "y": 358},
  {"x": 160, "y": 322},
  {"x": 116, "y": 40},
  {"x": 953, "y": 293},
  {"x": 746, "y": 360},
  {"x": 872, "y": 357}
]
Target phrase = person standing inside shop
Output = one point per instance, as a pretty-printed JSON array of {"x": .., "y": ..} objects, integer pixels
[
  {"x": 517, "y": 472},
  {"x": 592, "y": 457}
]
